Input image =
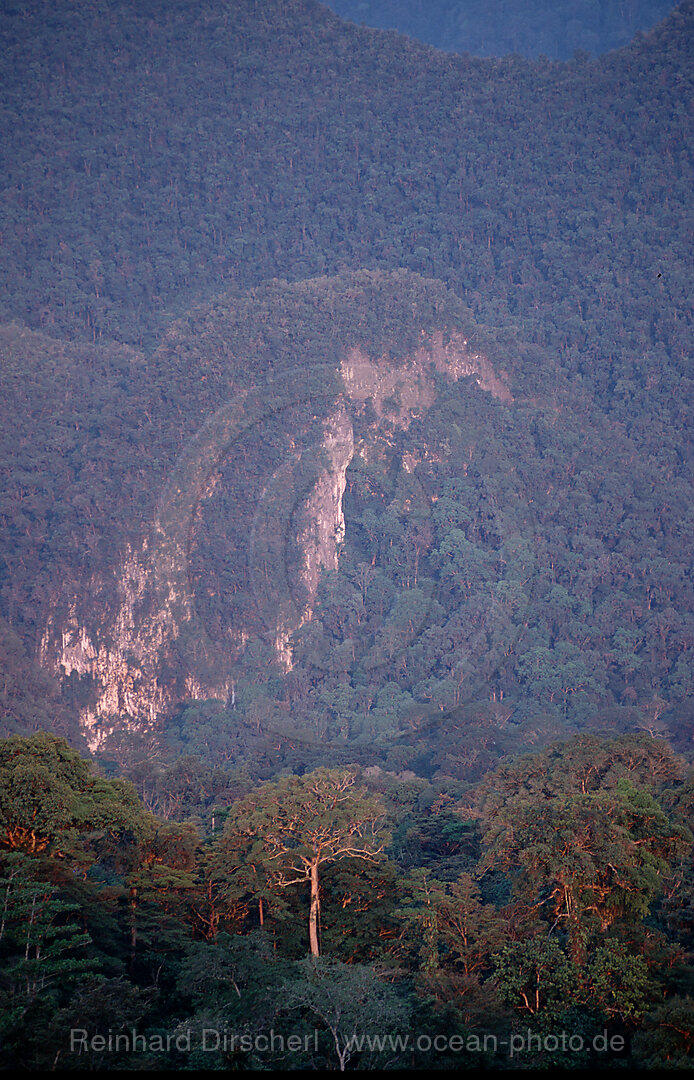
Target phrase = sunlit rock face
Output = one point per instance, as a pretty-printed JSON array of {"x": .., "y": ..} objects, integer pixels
[
  {"x": 410, "y": 382},
  {"x": 324, "y": 513},
  {"x": 121, "y": 655},
  {"x": 128, "y": 649}
]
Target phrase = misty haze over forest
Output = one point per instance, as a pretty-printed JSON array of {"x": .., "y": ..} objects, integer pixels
[{"x": 346, "y": 627}]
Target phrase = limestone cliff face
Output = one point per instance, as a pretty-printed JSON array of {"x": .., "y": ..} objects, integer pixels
[
  {"x": 114, "y": 655},
  {"x": 410, "y": 384},
  {"x": 325, "y": 530},
  {"x": 122, "y": 656},
  {"x": 398, "y": 391},
  {"x": 126, "y": 651}
]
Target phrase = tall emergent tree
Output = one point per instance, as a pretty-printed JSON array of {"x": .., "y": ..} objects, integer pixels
[{"x": 300, "y": 824}]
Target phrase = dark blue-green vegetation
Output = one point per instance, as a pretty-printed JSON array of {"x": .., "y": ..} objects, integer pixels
[{"x": 275, "y": 284}]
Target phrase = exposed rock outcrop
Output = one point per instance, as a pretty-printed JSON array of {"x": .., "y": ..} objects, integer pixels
[{"x": 155, "y": 609}]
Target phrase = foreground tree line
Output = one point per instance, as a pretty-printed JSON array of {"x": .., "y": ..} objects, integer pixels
[{"x": 354, "y": 912}]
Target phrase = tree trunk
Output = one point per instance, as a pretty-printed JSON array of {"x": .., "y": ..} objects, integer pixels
[
  {"x": 315, "y": 909},
  {"x": 133, "y": 927}
]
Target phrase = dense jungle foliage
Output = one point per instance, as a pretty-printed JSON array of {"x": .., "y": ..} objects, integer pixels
[
  {"x": 468, "y": 795},
  {"x": 135, "y": 941}
]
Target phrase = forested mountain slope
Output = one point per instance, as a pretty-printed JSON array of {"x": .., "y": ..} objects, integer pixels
[
  {"x": 162, "y": 153},
  {"x": 393, "y": 535},
  {"x": 163, "y": 162},
  {"x": 345, "y": 495}
]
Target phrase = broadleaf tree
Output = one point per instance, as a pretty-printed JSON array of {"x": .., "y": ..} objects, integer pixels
[{"x": 297, "y": 826}]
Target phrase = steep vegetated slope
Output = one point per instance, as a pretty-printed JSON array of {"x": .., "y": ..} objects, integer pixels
[
  {"x": 229, "y": 143},
  {"x": 323, "y": 501},
  {"x": 346, "y": 516},
  {"x": 469, "y": 473}
]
